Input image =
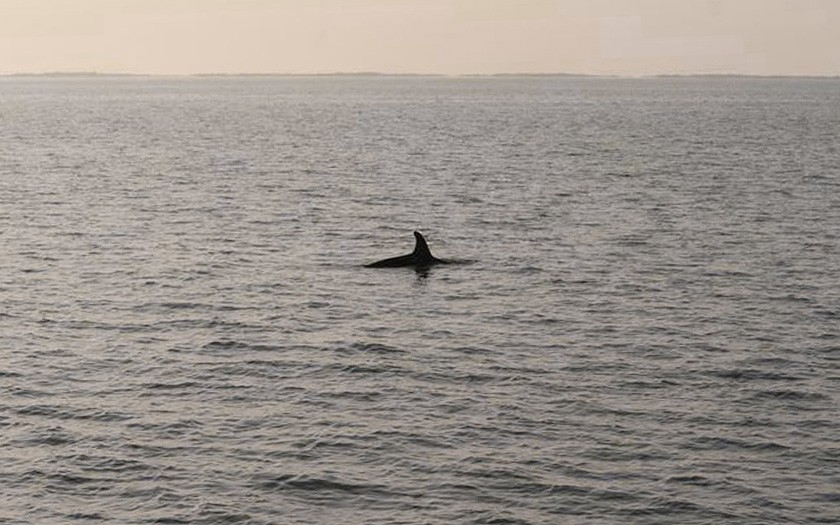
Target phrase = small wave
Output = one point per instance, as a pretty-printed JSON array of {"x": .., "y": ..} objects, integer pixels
[
  {"x": 173, "y": 305},
  {"x": 752, "y": 375},
  {"x": 60, "y": 412},
  {"x": 333, "y": 370},
  {"x": 225, "y": 345},
  {"x": 493, "y": 519},
  {"x": 699, "y": 481},
  {"x": 661, "y": 508},
  {"x": 172, "y": 521},
  {"x": 470, "y": 350},
  {"x": 75, "y": 483},
  {"x": 33, "y": 270},
  {"x": 116, "y": 465},
  {"x": 824, "y": 312},
  {"x": 84, "y": 516},
  {"x": 317, "y": 305},
  {"x": 829, "y": 497},
  {"x": 372, "y": 348},
  {"x": 238, "y": 345},
  {"x": 363, "y": 396},
  {"x": 172, "y": 386},
  {"x": 53, "y": 436},
  {"x": 528, "y": 270},
  {"x": 790, "y": 395},
  {"x": 719, "y": 443},
  {"x": 316, "y": 485}
]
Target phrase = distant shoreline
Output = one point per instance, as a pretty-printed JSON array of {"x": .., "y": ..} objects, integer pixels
[{"x": 371, "y": 74}]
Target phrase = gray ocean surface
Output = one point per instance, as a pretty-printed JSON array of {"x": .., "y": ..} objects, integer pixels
[{"x": 645, "y": 329}]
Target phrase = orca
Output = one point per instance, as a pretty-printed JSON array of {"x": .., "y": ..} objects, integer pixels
[{"x": 420, "y": 258}]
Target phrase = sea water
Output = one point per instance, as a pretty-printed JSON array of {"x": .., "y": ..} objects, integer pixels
[{"x": 646, "y": 328}]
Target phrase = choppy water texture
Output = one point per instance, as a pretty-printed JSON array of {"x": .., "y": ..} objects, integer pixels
[{"x": 648, "y": 334}]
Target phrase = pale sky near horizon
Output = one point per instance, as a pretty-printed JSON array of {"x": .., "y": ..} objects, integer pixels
[{"x": 622, "y": 37}]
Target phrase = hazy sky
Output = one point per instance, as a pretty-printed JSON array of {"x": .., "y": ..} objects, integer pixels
[{"x": 627, "y": 37}]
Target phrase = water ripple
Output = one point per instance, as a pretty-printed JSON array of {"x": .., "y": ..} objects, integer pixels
[{"x": 646, "y": 331}]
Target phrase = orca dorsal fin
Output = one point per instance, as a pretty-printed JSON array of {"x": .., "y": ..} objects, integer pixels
[{"x": 421, "y": 249}]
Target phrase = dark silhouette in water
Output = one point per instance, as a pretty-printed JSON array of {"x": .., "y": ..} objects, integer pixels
[{"x": 420, "y": 258}]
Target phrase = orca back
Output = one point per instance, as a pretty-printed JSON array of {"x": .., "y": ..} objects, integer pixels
[{"x": 421, "y": 256}]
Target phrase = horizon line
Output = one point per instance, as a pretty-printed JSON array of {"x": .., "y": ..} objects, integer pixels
[{"x": 414, "y": 74}]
